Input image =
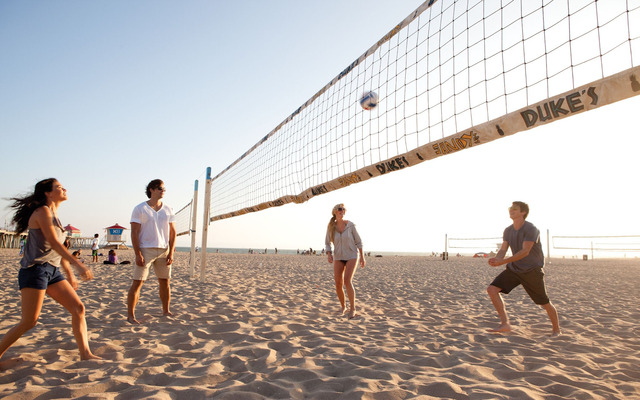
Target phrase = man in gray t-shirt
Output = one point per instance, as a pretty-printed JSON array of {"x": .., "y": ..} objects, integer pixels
[
  {"x": 516, "y": 239},
  {"x": 524, "y": 267}
]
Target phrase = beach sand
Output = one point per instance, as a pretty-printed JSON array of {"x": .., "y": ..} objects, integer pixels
[{"x": 266, "y": 326}]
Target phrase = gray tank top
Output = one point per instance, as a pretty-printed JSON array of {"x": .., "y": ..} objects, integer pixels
[{"x": 38, "y": 251}]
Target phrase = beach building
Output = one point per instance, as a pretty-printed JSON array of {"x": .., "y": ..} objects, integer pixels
[
  {"x": 116, "y": 237},
  {"x": 76, "y": 241},
  {"x": 72, "y": 231}
]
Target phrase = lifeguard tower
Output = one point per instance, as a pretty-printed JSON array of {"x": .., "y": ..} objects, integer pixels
[{"x": 115, "y": 237}]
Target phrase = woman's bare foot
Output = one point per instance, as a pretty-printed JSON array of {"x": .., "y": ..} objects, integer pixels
[
  {"x": 10, "y": 363},
  {"x": 167, "y": 314},
  {"x": 90, "y": 356},
  {"x": 502, "y": 328},
  {"x": 133, "y": 321},
  {"x": 342, "y": 311},
  {"x": 352, "y": 314}
]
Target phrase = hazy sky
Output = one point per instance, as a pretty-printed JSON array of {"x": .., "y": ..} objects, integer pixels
[{"x": 107, "y": 95}]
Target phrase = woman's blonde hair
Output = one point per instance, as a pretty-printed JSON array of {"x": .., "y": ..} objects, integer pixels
[{"x": 331, "y": 227}]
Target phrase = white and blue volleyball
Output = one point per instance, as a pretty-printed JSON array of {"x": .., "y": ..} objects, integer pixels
[{"x": 369, "y": 100}]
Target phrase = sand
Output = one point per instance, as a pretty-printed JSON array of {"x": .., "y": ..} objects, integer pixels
[{"x": 265, "y": 326}]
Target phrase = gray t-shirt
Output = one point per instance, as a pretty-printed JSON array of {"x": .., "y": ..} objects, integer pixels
[
  {"x": 516, "y": 238},
  {"x": 39, "y": 251}
]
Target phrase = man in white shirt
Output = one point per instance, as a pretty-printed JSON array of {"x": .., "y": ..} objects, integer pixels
[
  {"x": 153, "y": 235},
  {"x": 94, "y": 248}
]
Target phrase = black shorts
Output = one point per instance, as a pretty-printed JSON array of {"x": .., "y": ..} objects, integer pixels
[
  {"x": 39, "y": 276},
  {"x": 532, "y": 282}
]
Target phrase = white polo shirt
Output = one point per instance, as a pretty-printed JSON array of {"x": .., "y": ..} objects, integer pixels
[{"x": 154, "y": 230}]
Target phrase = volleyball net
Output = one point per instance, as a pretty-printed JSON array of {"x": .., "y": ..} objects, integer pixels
[
  {"x": 183, "y": 220},
  {"x": 452, "y": 75},
  {"x": 624, "y": 243},
  {"x": 474, "y": 245}
]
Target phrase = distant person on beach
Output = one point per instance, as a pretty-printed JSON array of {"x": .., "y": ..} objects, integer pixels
[
  {"x": 153, "y": 235},
  {"x": 77, "y": 255},
  {"x": 94, "y": 248},
  {"x": 39, "y": 274},
  {"x": 113, "y": 259},
  {"x": 524, "y": 267},
  {"x": 347, "y": 249}
]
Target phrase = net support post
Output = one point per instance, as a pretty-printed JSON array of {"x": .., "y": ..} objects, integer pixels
[
  {"x": 205, "y": 225},
  {"x": 548, "y": 251},
  {"x": 445, "y": 254},
  {"x": 192, "y": 231}
]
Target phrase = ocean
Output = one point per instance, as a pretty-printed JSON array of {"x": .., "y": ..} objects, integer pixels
[{"x": 291, "y": 251}]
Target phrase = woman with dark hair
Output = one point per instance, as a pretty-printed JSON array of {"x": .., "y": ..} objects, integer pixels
[
  {"x": 113, "y": 259},
  {"x": 43, "y": 257},
  {"x": 347, "y": 250}
]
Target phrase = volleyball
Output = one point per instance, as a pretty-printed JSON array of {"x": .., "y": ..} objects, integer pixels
[{"x": 369, "y": 100}]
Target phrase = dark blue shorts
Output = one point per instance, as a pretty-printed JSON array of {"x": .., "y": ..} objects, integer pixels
[{"x": 39, "y": 276}]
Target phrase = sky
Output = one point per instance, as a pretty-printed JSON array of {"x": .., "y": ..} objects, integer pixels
[{"x": 108, "y": 95}]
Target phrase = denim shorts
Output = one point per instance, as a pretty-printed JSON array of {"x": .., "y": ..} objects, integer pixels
[{"x": 39, "y": 276}]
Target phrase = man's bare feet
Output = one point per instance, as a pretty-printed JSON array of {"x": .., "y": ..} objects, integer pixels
[
  {"x": 502, "y": 328},
  {"x": 10, "y": 363},
  {"x": 133, "y": 321},
  {"x": 556, "y": 333},
  {"x": 167, "y": 314}
]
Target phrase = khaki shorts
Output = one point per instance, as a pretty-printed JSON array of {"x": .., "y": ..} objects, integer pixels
[{"x": 157, "y": 258}]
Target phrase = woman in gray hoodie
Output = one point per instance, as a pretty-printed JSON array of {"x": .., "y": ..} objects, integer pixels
[{"x": 347, "y": 249}]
